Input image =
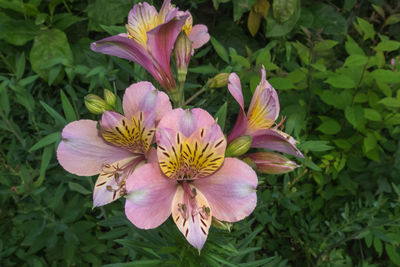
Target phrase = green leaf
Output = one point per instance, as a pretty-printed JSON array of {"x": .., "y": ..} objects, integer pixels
[
  {"x": 392, "y": 19},
  {"x": 365, "y": 28},
  {"x": 352, "y": 48},
  {"x": 242, "y": 61},
  {"x": 369, "y": 142},
  {"x": 372, "y": 115},
  {"x": 206, "y": 69},
  {"x": 355, "y": 61},
  {"x": 50, "y": 44},
  {"x": 386, "y": 76},
  {"x": 46, "y": 157},
  {"x": 390, "y": 102},
  {"x": 328, "y": 20},
  {"x": 220, "y": 116},
  {"x": 69, "y": 111},
  {"x": 240, "y": 7},
  {"x": 113, "y": 30},
  {"x": 276, "y": 29},
  {"x": 355, "y": 115},
  {"x": 378, "y": 246},
  {"x": 394, "y": 256},
  {"x": 47, "y": 140},
  {"x": 315, "y": 146},
  {"x": 280, "y": 83},
  {"x": 220, "y": 49},
  {"x": 107, "y": 12},
  {"x": 283, "y": 9},
  {"x": 78, "y": 188},
  {"x": 20, "y": 66},
  {"x": 18, "y": 32},
  {"x": 341, "y": 81},
  {"x": 387, "y": 46},
  {"x": 330, "y": 127},
  {"x": 59, "y": 119},
  {"x": 325, "y": 45}
]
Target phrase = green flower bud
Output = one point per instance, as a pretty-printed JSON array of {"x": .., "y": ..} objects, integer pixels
[
  {"x": 96, "y": 104},
  {"x": 239, "y": 146},
  {"x": 183, "y": 52},
  {"x": 110, "y": 98},
  {"x": 219, "y": 80},
  {"x": 221, "y": 225}
]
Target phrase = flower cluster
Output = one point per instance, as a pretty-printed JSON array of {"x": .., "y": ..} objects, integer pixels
[{"x": 167, "y": 161}]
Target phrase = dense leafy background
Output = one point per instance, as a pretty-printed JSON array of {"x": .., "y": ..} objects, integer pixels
[{"x": 331, "y": 64}]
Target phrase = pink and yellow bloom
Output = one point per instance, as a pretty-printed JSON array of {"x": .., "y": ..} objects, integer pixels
[
  {"x": 192, "y": 180},
  {"x": 150, "y": 39},
  {"x": 260, "y": 119},
  {"x": 120, "y": 145}
]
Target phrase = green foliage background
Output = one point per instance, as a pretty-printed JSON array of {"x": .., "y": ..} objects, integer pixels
[{"x": 330, "y": 62}]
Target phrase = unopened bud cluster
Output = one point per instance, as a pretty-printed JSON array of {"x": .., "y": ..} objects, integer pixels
[{"x": 97, "y": 105}]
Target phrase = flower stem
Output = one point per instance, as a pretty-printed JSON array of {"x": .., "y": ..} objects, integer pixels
[{"x": 202, "y": 90}]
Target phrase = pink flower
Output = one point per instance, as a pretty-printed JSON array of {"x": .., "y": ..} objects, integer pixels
[
  {"x": 121, "y": 144},
  {"x": 261, "y": 116},
  {"x": 270, "y": 162},
  {"x": 150, "y": 39},
  {"x": 192, "y": 180}
]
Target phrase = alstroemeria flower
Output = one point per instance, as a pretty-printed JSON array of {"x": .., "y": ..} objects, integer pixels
[
  {"x": 120, "y": 144},
  {"x": 261, "y": 116},
  {"x": 150, "y": 39},
  {"x": 192, "y": 179}
]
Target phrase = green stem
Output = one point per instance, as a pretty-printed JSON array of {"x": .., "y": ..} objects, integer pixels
[{"x": 202, "y": 90}]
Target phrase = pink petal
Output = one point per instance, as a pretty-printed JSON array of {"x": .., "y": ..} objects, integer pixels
[
  {"x": 122, "y": 46},
  {"x": 109, "y": 185},
  {"x": 231, "y": 191},
  {"x": 186, "y": 121},
  {"x": 143, "y": 96},
  {"x": 235, "y": 89},
  {"x": 160, "y": 42},
  {"x": 264, "y": 107},
  {"x": 151, "y": 156},
  {"x": 141, "y": 19},
  {"x": 271, "y": 163},
  {"x": 199, "y": 35},
  {"x": 84, "y": 152},
  {"x": 273, "y": 139},
  {"x": 150, "y": 194},
  {"x": 192, "y": 214}
]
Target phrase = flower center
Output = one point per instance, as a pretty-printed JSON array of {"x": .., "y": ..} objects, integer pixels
[
  {"x": 191, "y": 159},
  {"x": 131, "y": 135}
]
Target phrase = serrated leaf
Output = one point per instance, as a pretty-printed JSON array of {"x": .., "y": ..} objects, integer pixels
[
  {"x": 366, "y": 28},
  {"x": 325, "y": 45},
  {"x": 355, "y": 61},
  {"x": 354, "y": 115},
  {"x": 390, "y": 102},
  {"x": 317, "y": 146},
  {"x": 330, "y": 127},
  {"x": 369, "y": 142},
  {"x": 341, "y": 81},
  {"x": 387, "y": 46}
]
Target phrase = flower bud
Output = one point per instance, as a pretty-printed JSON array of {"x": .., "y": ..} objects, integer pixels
[
  {"x": 219, "y": 80},
  {"x": 221, "y": 225},
  {"x": 110, "y": 98},
  {"x": 239, "y": 146},
  {"x": 183, "y": 52},
  {"x": 271, "y": 163},
  {"x": 96, "y": 104}
]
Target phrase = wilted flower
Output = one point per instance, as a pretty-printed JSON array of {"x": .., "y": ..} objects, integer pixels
[
  {"x": 118, "y": 146},
  {"x": 192, "y": 179},
  {"x": 261, "y": 116},
  {"x": 270, "y": 162}
]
